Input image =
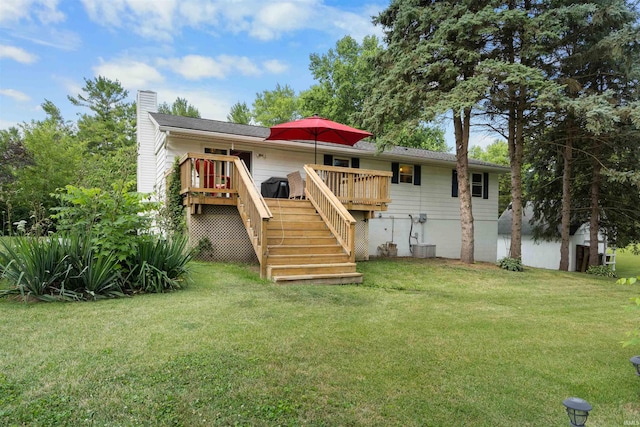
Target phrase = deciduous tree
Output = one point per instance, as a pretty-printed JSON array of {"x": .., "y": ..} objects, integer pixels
[{"x": 272, "y": 107}]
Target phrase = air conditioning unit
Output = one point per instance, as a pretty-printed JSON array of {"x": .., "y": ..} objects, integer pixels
[{"x": 423, "y": 250}]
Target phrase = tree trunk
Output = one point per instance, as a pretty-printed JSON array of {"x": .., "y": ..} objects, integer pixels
[
  {"x": 516, "y": 148},
  {"x": 566, "y": 203},
  {"x": 461, "y": 128},
  {"x": 594, "y": 220}
]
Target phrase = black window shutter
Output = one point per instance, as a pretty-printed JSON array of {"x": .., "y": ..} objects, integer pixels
[
  {"x": 485, "y": 186},
  {"x": 328, "y": 160},
  {"x": 355, "y": 162},
  {"x": 454, "y": 183},
  {"x": 416, "y": 174},
  {"x": 395, "y": 169}
]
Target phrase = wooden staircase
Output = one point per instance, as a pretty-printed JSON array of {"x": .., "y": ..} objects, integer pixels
[{"x": 301, "y": 249}]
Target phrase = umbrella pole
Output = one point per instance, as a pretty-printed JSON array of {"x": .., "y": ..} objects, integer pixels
[{"x": 315, "y": 151}]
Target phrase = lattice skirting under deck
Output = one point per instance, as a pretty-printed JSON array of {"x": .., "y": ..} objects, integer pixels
[
  {"x": 362, "y": 235},
  {"x": 223, "y": 227}
]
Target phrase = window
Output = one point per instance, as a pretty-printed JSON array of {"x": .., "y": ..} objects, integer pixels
[
  {"x": 476, "y": 185},
  {"x": 343, "y": 163},
  {"x": 406, "y": 174},
  {"x": 479, "y": 184},
  {"x": 353, "y": 162}
]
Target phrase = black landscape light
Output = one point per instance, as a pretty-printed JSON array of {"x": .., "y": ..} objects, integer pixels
[
  {"x": 636, "y": 364},
  {"x": 578, "y": 410}
]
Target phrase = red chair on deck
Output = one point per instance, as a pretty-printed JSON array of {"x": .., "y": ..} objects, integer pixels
[
  {"x": 208, "y": 178},
  {"x": 207, "y": 169}
]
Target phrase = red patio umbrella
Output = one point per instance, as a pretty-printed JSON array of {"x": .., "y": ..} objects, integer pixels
[{"x": 318, "y": 129}]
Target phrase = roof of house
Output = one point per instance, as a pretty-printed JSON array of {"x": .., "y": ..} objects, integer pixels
[{"x": 216, "y": 126}]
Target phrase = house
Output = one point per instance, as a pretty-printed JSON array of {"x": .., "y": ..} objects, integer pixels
[
  {"x": 400, "y": 199},
  {"x": 546, "y": 254}
]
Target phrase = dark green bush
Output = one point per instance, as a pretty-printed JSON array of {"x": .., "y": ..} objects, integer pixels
[
  {"x": 159, "y": 265},
  {"x": 511, "y": 264},
  {"x": 601, "y": 270}
]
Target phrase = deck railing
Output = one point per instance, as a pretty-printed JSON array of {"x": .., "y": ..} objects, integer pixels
[
  {"x": 357, "y": 188},
  {"x": 254, "y": 212},
  {"x": 227, "y": 180},
  {"x": 334, "y": 214},
  {"x": 207, "y": 175}
]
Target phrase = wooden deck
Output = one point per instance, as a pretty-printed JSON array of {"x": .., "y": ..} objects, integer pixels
[
  {"x": 209, "y": 179},
  {"x": 301, "y": 241}
]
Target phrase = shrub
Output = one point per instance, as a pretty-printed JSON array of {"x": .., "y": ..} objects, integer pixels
[
  {"x": 511, "y": 264},
  {"x": 159, "y": 265},
  {"x": 33, "y": 267},
  {"x": 601, "y": 270},
  {"x": 63, "y": 267},
  {"x": 114, "y": 219}
]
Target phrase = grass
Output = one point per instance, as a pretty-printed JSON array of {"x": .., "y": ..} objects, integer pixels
[
  {"x": 627, "y": 264},
  {"x": 421, "y": 342}
]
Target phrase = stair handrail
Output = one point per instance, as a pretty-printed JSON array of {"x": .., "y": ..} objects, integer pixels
[
  {"x": 332, "y": 211},
  {"x": 254, "y": 212}
]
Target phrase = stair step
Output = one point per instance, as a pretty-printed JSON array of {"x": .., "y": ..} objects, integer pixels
[
  {"x": 306, "y": 248},
  {"x": 297, "y": 225},
  {"x": 306, "y": 269},
  {"x": 319, "y": 279},
  {"x": 275, "y": 233},
  {"x": 287, "y": 216},
  {"x": 277, "y": 211},
  {"x": 279, "y": 240},
  {"x": 289, "y": 203},
  {"x": 308, "y": 259}
]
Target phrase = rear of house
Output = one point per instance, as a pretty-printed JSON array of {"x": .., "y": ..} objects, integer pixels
[{"x": 415, "y": 203}]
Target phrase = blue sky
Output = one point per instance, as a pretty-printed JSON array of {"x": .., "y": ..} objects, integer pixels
[{"x": 212, "y": 52}]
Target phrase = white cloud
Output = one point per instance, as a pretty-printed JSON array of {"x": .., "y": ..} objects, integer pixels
[
  {"x": 131, "y": 74},
  {"x": 46, "y": 11},
  {"x": 275, "y": 66},
  {"x": 196, "y": 67},
  {"x": 242, "y": 64},
  {"x": 262, "y": 19},
  {"x": 197, "y": 12},
  {"x": 151, "y": 19},
  {"x": 15, "y": 94},
  {"x": 17, "y": 54},
  {"x": 279, "y": 17}
]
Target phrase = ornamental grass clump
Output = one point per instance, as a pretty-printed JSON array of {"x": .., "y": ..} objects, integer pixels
[
  {"x": 159, "y": 265},
  {"x": 61, "y": 267}
]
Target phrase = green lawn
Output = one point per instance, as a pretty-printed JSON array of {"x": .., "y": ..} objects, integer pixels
[
  {"x": 627, "y": 264},
  {"x": 421, "y": 342}
]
